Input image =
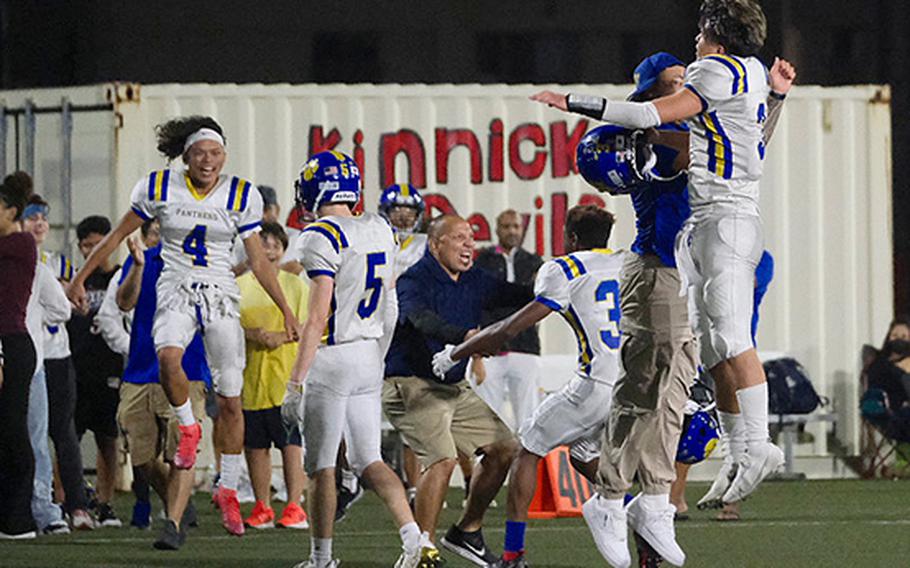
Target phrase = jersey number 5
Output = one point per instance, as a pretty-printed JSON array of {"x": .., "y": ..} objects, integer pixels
[
  {"x": 608, "y": 291},
  {"x": 194, "y": 245},
  {"x": 367, "y": 306}
]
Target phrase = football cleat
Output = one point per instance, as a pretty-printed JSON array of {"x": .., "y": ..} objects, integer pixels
[
  {"x": 171, "y": 537},
  {"x": 713, "y": 499},
  {"x": 759, "y": 462},
  {"x": 293, "y": 517},
  {"x": 226, "y": 500},
  {"x": 185, "y": 458},
  {"x": 468, "y": 545},
  {"x": 262, "y": 517}
]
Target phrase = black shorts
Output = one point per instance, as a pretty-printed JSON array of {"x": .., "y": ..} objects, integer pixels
[
  {"x": 262, "y": 428},
  {"x": 96, "y": 406}
]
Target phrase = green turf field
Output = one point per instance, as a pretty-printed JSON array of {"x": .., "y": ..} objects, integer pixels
[{"x": 817, "y": 523}]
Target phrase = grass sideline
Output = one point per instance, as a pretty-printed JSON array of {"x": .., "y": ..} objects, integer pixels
[{"x": 808, "y": 523}]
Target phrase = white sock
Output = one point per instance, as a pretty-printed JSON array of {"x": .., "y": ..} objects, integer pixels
[
  {"x": 425, "y": 540},
  {"x": 614, "y": 503},
  {"x": 410, "y": 537},
  {"x": 655, "y": 502},
  {"x": 321, "y": 550},
  {"x": 348, "y": 480},
  {"x": 753, "y": 401},
  {"x": 733, "y": 438},
  {"x": 184, "y": 413},
  {"x": 230, "y": 471}
]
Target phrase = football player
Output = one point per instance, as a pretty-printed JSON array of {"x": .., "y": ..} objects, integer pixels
[
  {"x": 725, "y": 101},
  {"x": 201, "y": 212},
  {"x": 583, "y": 287},
  {"x": 403, "y": 207},
  {"x": 351, "y": 319}
]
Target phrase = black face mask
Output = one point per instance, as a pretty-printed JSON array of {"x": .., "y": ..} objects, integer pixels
[{"x": 898, "y": 346}]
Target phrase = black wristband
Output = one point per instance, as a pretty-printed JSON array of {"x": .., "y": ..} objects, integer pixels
[
  {"x": 778, "y": 96},
  {"x": 587, "y": 105}
]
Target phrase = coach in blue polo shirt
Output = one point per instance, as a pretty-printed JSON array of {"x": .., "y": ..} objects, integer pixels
[
  {"x": 441, "y": 300},
  {"x": 144, "y": 413}
]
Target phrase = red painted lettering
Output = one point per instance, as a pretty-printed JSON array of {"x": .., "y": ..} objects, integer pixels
[
  {"x": 438, "y": 204},
  {"x": 538, "y": 228},
  {"x": 480, "y": 226},
  {"x": 534, "y": 168},
  {"x": 495, "y": 156},
  {"x": 409, "y": 142},
  {"x": 592, "y": 199},
  {"x": 321, "y": 143},
  {"x": 446, "y": 141},
  {"x": 562, "y": 147}
]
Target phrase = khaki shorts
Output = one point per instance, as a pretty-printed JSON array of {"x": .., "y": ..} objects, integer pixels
[
  {"x": 438, "y": 421},
  {"x": 148, "y": 422}
]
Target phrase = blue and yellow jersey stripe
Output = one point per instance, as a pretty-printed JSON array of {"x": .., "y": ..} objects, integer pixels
[
  {"x": 239, "y": 194},
  {"x": 158, "y": 185},
  {"x": 740, "y": 78},
  {"x": 571, "y": 265},
  {"x": 66, "y": 269},
  {"x": 331, "y": 231},
  {"x": 328, "y": 337},
  {"x": 720, "y": 149},
  {"x": 585, "y": 355}
]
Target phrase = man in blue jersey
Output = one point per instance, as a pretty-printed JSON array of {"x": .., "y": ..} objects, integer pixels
[{"x": 144, "y": 412}]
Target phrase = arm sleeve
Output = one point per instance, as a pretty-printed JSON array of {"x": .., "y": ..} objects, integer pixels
[
  {"x": 712, "y": 81},
  {"x": 139, "y": 200},
  {"x": 504, "y": 294},
  {"x": 109, "y": 321},
  {"x": 390, "y": 318},
  {"x": 318, "y": 254},
  {"x": 56, "y": 307},
  {"x": 552, "y": 287},
  {"x": 250, "y": 219}
]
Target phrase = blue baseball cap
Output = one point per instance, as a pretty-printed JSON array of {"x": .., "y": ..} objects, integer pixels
[{"x": 649, "y": 70}]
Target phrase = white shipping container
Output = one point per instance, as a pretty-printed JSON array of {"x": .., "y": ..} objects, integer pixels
[{"x": 826, "y": 193}]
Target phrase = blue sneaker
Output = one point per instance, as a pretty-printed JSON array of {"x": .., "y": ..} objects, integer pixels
[{"x": 142, "y": 515}]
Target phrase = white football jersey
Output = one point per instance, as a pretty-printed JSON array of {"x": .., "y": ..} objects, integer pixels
[
  {"x": 584, "y": 288},
  {"x": 726, "y": 146},
  {"x": 411, "y": 249},
  {"x": 198, "y": 232},
  {"x": 358, "y": 252},
  {"x": 56, "y": 338}
]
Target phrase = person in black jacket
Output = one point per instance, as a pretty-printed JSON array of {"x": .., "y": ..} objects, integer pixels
[
  {"x": 516, "y": 370},
  {"x": 441, "y": 299}
]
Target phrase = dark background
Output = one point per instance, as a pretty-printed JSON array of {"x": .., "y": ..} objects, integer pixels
[{"x": 48, "y": 43}]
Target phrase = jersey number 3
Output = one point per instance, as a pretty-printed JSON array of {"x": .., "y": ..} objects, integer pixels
[
  {"x": 608, "y": 291},
  {"x": 368, "y": 306},
  {"x": 194, "y": 245}
]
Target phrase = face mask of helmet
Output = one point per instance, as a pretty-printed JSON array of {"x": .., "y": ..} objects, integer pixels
[{"x": 617, "y": 161}]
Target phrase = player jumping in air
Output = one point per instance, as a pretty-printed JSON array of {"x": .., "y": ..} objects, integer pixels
[{"x": 201, "y": 213}]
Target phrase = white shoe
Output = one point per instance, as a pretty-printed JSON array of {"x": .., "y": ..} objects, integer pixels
[
  {"x": 656, "y": 527},
  {"x": 20, "y": 536},
  {"x": 607, "y": 523},
  {"x": 759, "y": 462},
  {"x": 713, "y": 499}
]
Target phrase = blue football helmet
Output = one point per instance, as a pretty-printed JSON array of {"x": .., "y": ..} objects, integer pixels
[
  {"x": 328, "y": 177},
  {"x": 401, "y": 195},
  {"x": 700, "y": 435},
  {"x": 614, "y": 159}
]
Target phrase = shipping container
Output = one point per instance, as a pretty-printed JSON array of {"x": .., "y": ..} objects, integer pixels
[{"x": 476, "y": 150}]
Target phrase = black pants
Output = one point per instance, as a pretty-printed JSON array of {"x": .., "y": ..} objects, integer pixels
[
  {"x": 61, "y": 401},
  {"x": 17, "y": 463}
]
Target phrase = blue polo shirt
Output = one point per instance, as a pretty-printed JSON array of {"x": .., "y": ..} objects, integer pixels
[
  {"x": 142, "y": 363},
  {"x": 434, "y": 310},
  {"x": 661, "y": 208}
]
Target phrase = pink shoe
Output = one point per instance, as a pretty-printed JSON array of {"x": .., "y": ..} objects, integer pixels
[
  {"x": 226, "y": 500},
  {"x": 185, "y": 458}
]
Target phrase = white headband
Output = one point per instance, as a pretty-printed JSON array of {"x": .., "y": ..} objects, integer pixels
[{"x": 202, "y": 134}]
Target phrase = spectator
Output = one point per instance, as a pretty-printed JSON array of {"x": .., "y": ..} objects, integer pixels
[
  {"x": 47, "y": 306},
  {"x": 270, "y": 214},
  {"x": 517, "y": 368},
  {"x": 270, "y": 355},
  {"x": 98, "y": 370},
  {"x": 890, "y": 370},
  {"x": 441, "y": 299},
  {"x": 61, "y": 381},
  {"x": 18, "y": 258},
  {"x": 144, "y": 412}
]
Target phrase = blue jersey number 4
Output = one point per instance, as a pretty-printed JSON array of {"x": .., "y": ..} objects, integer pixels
[
  {"x": 367, "y": 306},
  {"x": 194, "y": 245}
]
